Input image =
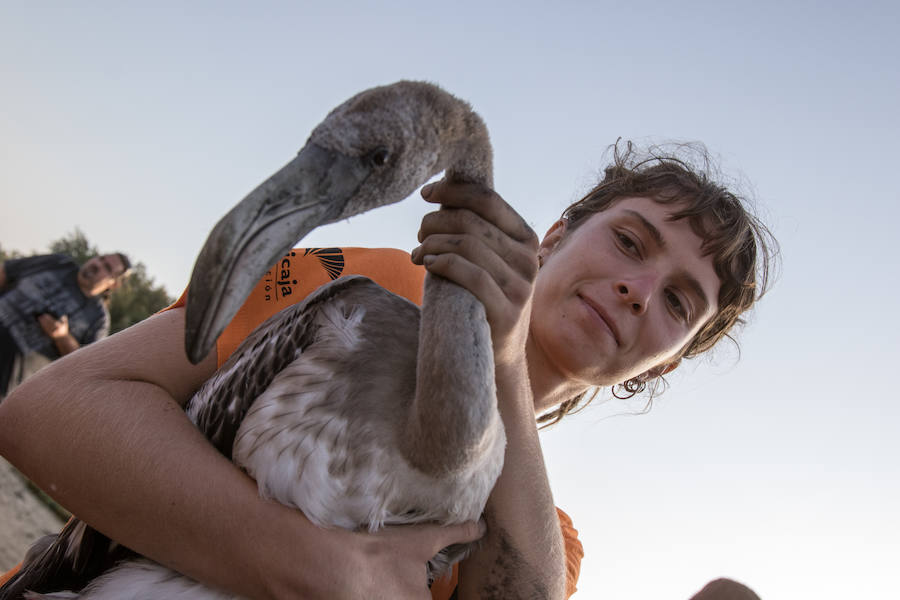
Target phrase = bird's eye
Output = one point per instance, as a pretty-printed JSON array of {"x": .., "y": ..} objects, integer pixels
[{"x": 379, "y": 156}]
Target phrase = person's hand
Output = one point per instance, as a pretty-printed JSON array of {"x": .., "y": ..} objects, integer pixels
[
  {"x": 387, "y": 564},
  {"x": 54, "y": 328},
  {"x": 396, "y": 557},
  {"x": 479, "y": 242}
]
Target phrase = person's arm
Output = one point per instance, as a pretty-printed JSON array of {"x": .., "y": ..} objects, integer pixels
[
  {"x": 522, "y": 555},
  {"x": 104, "y": 432},
  {"x": 58, "y": 331},
  {"x": 484, "y": 245}
]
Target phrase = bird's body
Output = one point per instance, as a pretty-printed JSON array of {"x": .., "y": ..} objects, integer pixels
[
  {"x": 333, "y": 466},
  {"x": 331, "y": 405},
  {"x": 325, "y": 414}
]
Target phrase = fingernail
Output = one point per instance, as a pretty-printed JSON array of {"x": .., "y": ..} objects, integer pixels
[
  {"x": 429, "y": 259},
  {"x": 426, "y": 191}
]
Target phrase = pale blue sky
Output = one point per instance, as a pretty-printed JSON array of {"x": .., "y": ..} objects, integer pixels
[{"x": 143, "y": 123}]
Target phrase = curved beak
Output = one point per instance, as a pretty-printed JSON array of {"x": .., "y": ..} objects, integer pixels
[{"x": 309, "y": 191}]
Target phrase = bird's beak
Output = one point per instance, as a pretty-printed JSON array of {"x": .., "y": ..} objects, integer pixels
[{"x": 309, "y": 191}]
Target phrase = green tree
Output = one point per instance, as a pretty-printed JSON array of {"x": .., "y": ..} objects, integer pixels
[
  {"x": 75, "y": 245},
  {"x": 5, "y": 255},
  {"x": 136, "y": 298}
]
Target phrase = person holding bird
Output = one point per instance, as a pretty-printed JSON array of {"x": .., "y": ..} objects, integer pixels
[{"x": 654, "y": 265}]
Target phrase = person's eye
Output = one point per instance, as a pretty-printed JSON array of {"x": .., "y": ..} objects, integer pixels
[
  {"x": 627, "y": 243},
  {"x": 676, "y": 305}
]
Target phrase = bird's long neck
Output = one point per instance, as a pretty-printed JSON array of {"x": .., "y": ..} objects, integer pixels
[{"x": 455, "y": 404}]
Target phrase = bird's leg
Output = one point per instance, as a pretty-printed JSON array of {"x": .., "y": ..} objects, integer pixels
[{"x": 454, "y": 416}]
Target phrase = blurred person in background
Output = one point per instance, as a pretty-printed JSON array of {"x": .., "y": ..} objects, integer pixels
[{"x": 49, "y": 307}]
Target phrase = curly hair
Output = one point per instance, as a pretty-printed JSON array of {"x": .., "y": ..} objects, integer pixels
[{"x": 742, "y": 248}]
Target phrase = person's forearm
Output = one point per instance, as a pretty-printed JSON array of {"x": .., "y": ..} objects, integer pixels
[
  {"x": 522, "y": 555},
  {"x": 166, "y": 492},
  {"x": 164, "y": 496}
]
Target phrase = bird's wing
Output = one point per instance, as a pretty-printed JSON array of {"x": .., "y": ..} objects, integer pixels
[
  {"x": 220, "y": 405},
  {"x": 75, "y": 557}
]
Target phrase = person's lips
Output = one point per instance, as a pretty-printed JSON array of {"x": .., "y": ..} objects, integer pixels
[{"x": 603, "y": 317}]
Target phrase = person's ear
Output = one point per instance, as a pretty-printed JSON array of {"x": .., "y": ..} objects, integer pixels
[
  {"x": 660, "y": 370},
  {"x": 552, "y": 239}
]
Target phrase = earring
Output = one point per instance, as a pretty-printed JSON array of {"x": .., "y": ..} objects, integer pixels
[{"x": 630, "y": 387}]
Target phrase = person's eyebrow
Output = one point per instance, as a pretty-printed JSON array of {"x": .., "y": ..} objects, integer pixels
[{"x": 648, "y": 226}]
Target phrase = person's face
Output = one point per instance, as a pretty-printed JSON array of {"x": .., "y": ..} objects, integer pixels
[
  {"x": 621, "y": 295},
  {"x": 100, "y": 273}
]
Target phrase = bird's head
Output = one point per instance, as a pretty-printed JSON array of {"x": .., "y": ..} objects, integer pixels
[{"x": 374, "y": 149}]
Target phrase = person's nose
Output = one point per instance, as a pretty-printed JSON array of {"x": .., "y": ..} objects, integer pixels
[{"x": 636, "y": 292}]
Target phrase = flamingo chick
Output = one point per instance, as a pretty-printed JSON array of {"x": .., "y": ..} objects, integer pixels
[{"x": 330, "y": 404}]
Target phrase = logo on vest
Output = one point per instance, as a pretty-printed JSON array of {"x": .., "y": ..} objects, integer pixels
[
  {"x": 279, "y": 284},
  {"x": 331, "y": 259}
]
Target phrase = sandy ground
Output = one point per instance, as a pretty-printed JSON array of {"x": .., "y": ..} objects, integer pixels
[{"x": 23, "y": 518}]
